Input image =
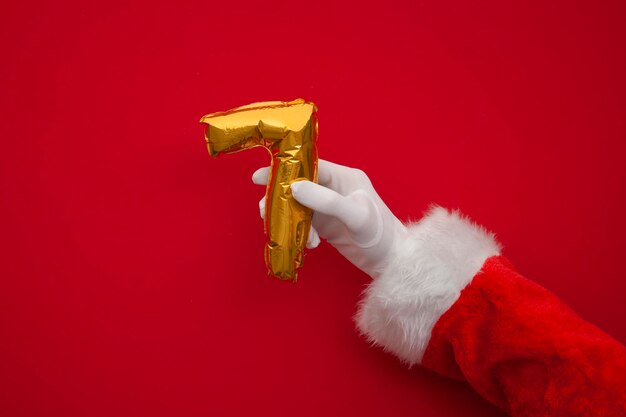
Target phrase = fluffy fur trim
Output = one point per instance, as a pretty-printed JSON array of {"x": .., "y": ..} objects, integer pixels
[{"x": 425, "y": 272}]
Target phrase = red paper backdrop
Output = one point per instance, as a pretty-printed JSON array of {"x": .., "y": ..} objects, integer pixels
[{"x": 132, "y": 277}]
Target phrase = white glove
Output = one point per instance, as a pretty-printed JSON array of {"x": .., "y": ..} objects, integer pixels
[
  {"x": 348, "y": 213},
  {"x": 419, "y": 270}
]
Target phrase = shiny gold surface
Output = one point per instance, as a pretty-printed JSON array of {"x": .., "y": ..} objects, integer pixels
[{"x": 288, "y": 130}]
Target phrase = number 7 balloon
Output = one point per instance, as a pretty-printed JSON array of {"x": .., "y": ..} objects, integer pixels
[{"x": 288, "y": 130}]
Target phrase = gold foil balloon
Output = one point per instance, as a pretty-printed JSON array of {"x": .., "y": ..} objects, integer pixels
[{"x": 288, "y": 130}]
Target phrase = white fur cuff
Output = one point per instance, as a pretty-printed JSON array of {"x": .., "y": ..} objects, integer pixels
[{"x": 423, "y": 277}]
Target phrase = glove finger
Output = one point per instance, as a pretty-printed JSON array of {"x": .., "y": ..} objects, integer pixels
[
  {"x": 261, "y": 175},
  {"x": 329, "y": 174},
  {"x": 314, "y": 239},
  {"x": 262, "y": 208},
  {"x": 326, "y": 201}
]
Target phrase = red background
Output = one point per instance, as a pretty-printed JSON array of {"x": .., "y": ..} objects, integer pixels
[{"x": 132, "y": 276}]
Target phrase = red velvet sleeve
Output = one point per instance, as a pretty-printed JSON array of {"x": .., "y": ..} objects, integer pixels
[{"x": 525, "y": 351}]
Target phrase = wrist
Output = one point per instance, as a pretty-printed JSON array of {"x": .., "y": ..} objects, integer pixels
[{"x": 428, "y": 265}]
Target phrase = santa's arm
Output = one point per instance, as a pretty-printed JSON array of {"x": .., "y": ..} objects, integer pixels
[{"x": 447, "y": 300}]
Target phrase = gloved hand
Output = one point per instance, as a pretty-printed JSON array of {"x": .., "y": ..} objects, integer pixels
[{"x": 348, "y": 213}]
